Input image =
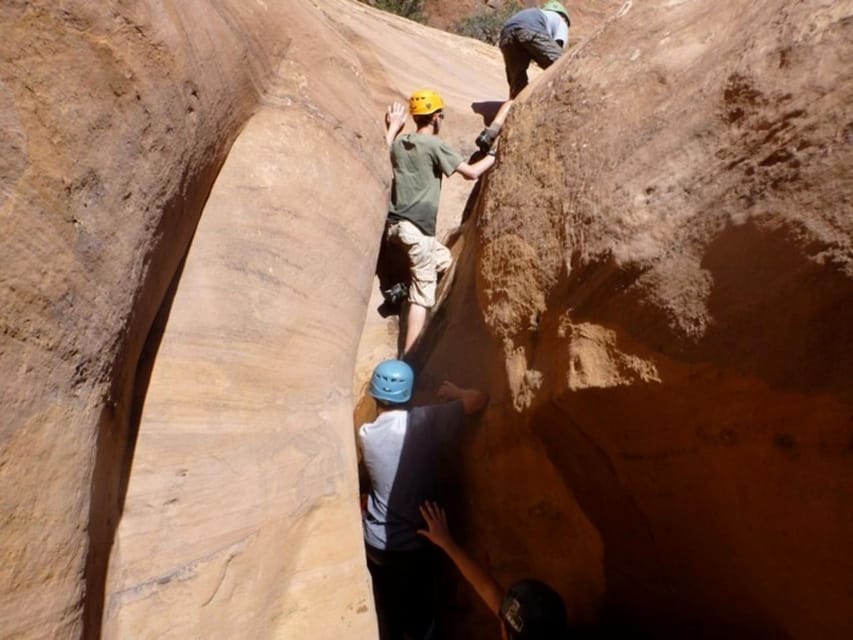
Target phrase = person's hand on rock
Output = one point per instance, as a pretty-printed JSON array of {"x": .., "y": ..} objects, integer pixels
[{"x": 437, "y": 530}]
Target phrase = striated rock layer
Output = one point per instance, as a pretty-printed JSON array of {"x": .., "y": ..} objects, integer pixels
[
  {"x": 116, "y": 119},
  {"x": 205, "y": 489},
  {"x": 240, "y": 518},
  {"x": 659, "y": 287}
]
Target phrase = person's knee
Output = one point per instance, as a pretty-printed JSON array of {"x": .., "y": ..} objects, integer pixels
[{"x": 424, "y": 276}]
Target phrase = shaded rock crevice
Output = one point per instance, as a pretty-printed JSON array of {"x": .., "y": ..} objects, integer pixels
[{"x": 113, "y": 464}]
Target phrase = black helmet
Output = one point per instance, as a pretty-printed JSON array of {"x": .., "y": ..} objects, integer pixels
[{"x": 531, "y": 610}]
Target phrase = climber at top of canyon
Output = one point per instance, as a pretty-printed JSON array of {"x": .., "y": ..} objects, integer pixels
[
  {"x": 530, "y": 35},
  {"x": 538, "y": 35}
]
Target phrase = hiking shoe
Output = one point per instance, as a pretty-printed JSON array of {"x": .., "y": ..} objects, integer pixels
[
  {"x": 396, "y": 294},
  {"x": 485, "y": 140},
  {"x": 394, "y": 298},
  {"x": 387, "y": 309}
]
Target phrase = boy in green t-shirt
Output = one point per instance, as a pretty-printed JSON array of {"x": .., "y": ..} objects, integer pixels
[{"x": 419, "y": 161}]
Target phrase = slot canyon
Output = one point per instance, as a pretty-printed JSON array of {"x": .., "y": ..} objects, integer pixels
[{"x": 654, "y": 284}]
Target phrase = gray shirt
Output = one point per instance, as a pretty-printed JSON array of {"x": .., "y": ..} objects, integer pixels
[
  {"x": 549, "y": 23},
  {"x": 401, "y": 450}
]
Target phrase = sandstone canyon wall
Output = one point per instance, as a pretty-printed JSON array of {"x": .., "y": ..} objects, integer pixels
[
  {"x": 658, "y": 291},
  {"x": 116, "y": 122},
  {"x": 655, "y": 286},
  {"x": 116, "y": 119}
]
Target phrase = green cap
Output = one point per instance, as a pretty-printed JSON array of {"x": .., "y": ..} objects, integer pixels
[{"x": 553, "y": 5}]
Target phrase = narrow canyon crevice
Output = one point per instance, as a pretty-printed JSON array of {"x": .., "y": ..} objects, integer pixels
[
  {"x": 654, "y": 284},
  {"x": 113, "y": 467}
]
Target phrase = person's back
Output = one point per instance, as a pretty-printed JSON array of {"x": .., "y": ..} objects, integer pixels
[
  {"x": 533, "y": 34},
  {"x": 401, "y": 450},
  {"x": 535, "y": 19},
  {"x": 419, "y": 162}
]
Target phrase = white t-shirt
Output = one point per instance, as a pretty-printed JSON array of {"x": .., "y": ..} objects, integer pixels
[
  {"x": 401, "y": 450},
  {"x": 557, "y": 27}
]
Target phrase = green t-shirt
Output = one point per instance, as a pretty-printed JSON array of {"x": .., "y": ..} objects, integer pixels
[{"x": 419, "y": 160}]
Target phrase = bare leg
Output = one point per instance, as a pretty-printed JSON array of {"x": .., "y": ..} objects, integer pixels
[{"x": 415, "y": 321}]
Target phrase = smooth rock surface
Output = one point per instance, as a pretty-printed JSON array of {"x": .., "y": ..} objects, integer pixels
[
  {"x": 241, "y": 518},
  {"x": 227, "y": 507},
  {"x": 116, "y": 118}
]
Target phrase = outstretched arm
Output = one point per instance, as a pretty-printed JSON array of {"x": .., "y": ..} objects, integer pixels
[
  {"x": 486, "y": 140},
  {"x": 475, "y": 170},
  {"x": 438, "y": 533},
  {"x": 501, "y": 115},
  {"x": 395, "y": 119},
  {"x": 473, "y": 400}
]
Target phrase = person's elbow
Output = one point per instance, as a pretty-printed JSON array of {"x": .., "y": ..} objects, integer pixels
[
  {"x": 474, "y": 171},
  {"x": 467, "y": 171}
]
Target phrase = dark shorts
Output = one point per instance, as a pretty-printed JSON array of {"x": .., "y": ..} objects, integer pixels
[
  {"x": 402, "y": 590},
  {"x": 519, "y": 47}
]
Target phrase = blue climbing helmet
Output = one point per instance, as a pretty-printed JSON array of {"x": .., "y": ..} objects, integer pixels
[
  {"x": 392, "y": 382},
  {"x": 531, "y": 610}
]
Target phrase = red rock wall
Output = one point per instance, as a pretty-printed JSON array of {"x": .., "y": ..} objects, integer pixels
[
  {"x": 177, "y": 457},
  {"x": 660, "y": 298},
  {"x": 116, "y": 125},
  {"x": 116, "y": 118},
  {"x": 241, "y": 517}
]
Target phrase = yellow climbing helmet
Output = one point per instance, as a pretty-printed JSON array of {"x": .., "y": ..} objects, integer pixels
[
  {"x": 425, "y": 102},
  {"x": 553, "y": 5}
]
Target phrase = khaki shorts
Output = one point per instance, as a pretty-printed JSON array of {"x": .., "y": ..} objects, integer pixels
[{"x": 427, "y": 258}]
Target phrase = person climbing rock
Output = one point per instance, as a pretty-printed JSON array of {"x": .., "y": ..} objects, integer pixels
[
  {"x": 419, "y": 160},
  {"x": 400, "y": 452},
  {"x": 533, "y": 34},
  {"x": 528, "y": 610}
]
